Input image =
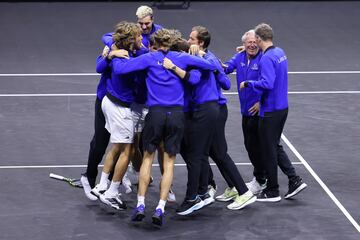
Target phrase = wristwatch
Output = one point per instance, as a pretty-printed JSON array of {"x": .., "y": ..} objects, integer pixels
[{"x": 173, "y": 68}]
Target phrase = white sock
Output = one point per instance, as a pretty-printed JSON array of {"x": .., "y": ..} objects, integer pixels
[
  {"x": 104, "y": 179},
  {"x": 161, "y": 205},
  {"x": 141, "y": 200},
  {"x": 114, "y": 188}
]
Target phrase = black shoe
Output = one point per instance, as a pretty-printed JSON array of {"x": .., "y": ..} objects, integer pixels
[
  {"x": 207, "y": 199},
  {"x": 188, "y": 206},
  {"x": 295, "y": 187},
  {"x": 157, "y": 218},
  {"x": 268, "y": 196}
]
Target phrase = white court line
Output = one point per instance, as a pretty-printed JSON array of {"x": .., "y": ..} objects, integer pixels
[
  {"x": 46, "y": 74},
  {"x": 307, "y": 92},
  {"x": 47, "y": 94},
  {"x": 97, "y": 74},
  {"x": 83, "y": 166},
  {"x": 322, "y": 184},
  {"x": 93, "y": 94}
]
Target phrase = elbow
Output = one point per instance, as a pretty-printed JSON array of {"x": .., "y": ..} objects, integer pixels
[{"x": 226, "y": 87}]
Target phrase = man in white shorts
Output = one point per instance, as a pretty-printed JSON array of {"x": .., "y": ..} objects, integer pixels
[{"x": 118, "y": 116}]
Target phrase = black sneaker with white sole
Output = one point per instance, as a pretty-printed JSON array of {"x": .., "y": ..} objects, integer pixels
[
  {"x": 295, "y": 187},
  {"x": 268, "y": 196},
  {"x": 188, "y": 206},
  {"x": 207, "y": 199},
  {"x": 113, "y": 201}
]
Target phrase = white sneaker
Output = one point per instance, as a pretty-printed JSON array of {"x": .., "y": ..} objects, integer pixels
[
  {"x": 87, "y": 188},
  {"x": 112, "y": 200},
  {"x": 255, "y": 187},
  {"x": 229, "y": 194},
  {"x": 98, "y": 190},
  {"x": 171, "y": 196},
  {"x": 212, "y": 191},
  {"x": 126, "y": 183},
  {"x": 242, "y": 200}
]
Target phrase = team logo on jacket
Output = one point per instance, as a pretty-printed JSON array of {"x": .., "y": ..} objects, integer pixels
[
  {"x": 242, "y": 64},
  {"x": 255, "y": 67}
]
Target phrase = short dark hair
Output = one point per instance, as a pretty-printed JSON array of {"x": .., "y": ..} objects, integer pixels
[
  {"x": 203, "y": 35},
  {"x": 264, "y": 32},
  {"x": 180, "y": 45}
]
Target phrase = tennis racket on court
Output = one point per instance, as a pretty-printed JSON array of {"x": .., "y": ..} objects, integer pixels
[{"x": 72, "y": 181}]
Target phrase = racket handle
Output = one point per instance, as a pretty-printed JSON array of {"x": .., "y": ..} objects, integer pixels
[{"x": 53, "y": 175}]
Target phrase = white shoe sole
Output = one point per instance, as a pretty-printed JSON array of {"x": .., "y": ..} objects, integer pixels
[
  {"x": 238, "y": 207},
  {"x": 208, "y": 201},
  {"x": 274, "y": 199},
  {"x": 87, "y": 189},
  {"x": 299, "y": 189},
  {"x": 90, "y": 196},
  {"x": 223, "y": 199},
  {"x": 192, "y": 209},
  {"x": 108, "y": 203}
]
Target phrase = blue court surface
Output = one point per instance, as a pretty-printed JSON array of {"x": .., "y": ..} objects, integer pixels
[{"x": 47, "y": 95}]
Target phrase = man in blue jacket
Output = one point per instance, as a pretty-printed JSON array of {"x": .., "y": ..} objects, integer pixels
[
  {"x": 246, "y": 64},
  {"x": 273, "y": 86},
  {"x": 146, "y": 22}
]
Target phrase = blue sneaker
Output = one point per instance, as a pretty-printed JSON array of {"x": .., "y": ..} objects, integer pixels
[
  {"x": 138, "y": 214},
  {"x": 157, "y": 218}
]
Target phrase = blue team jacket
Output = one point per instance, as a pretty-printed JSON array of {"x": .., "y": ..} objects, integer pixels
[
  {"x": 273, "y": 81},
  {"x": 102, "y": 67},
  {"x": 122, "y": 86},
  {"x": 222, "y": 80},
  {"x": 244, "y": 71},
  {"x": 163, "y": 86}
]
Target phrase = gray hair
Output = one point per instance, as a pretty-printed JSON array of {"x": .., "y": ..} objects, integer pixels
[
  {"x": 144, "y": 11},
  {"x": 245, "y": 36}
]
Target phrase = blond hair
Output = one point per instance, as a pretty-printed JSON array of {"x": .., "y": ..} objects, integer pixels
[
  {"x": 144, "y": 11},
  {"x": 125, "y": 35},
  {"x": 164, "y": 37}
]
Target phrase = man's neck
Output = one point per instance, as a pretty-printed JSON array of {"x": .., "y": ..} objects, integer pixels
[{"x": 266, "y": 45}]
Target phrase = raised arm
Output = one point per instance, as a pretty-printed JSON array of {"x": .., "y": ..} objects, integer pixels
[
  {"x": 107, "y": 39},
  {"x": 230, "y": 65},
  {"x": 221, "y": 78},
  {"x": 102, "y": 64},
  {"x": 192, "y": 76},
  {"x": 124, "y": 66},
  {"x": 198, "y": 62}
]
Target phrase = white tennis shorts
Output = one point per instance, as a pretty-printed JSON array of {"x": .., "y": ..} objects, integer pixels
[{"x": 119, "y": 122}]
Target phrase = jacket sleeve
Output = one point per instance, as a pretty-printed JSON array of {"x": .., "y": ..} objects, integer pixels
[
  {"x": 221, "y": 78},
  {"x": 193, "y": 76},
  {"x": 107, "y": 39},
  {"x": 231, "y": 64},
  {"x": 124, "y": 66},
  {"x": 267, "y": 76},
  {"x": 198, "y": 62},
  {"x": 102, "y": 64}
]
